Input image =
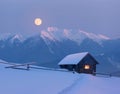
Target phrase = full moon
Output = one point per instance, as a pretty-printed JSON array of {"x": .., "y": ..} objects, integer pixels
[{"x": 38, "y": 21}]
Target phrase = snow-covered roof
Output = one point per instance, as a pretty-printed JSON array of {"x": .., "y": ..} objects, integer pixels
[{"x": 73, "y": 58}]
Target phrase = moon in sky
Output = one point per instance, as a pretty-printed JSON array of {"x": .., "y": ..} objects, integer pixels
[{"x": 38, "y": 21}]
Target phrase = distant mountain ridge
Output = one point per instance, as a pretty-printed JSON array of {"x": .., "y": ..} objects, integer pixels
[
  {"x": 54, "y": 34},
  {"x": 53, "y": 44}
]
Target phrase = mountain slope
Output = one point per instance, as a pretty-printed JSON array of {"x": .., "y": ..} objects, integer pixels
[
  {"x": 53, "y": 44},
  {"x": 37, "y": 81}
]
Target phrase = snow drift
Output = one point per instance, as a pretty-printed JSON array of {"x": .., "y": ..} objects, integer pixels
[{"x": 37, "y": 81}]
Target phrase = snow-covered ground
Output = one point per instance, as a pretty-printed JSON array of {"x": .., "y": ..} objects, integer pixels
[{"x": 37, "y": 81}]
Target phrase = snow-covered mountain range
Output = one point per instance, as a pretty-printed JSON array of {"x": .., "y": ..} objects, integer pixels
[
  {"x": 55, "y": 34},
  {"x": 51, "y": 45}
]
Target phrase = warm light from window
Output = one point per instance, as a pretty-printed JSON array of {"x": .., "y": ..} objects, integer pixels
[{"x": 87, "y": 67}]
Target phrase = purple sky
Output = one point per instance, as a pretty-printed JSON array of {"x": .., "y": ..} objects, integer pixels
[{"x": 96, "y": 16}]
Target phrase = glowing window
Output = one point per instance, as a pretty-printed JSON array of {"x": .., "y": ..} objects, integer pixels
[{"x": 87, "y": 67}]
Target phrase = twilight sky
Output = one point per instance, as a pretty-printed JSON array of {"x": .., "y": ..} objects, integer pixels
[{"x": 96, "y": 16}]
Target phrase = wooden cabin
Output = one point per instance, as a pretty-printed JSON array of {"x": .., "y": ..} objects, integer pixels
[{"x": 79, "y": 62}]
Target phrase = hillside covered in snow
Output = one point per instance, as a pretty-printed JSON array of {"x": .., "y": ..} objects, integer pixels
[
  {"x": 37, "y": 81},
  {"x": 52, "y": 44}
]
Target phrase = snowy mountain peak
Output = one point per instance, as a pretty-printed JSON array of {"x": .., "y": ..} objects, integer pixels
[
  {"x": 55, "y": 34},
  {"x": 17, "y": 37},
  {"x": 45, "y": 34},
  {"x": 52, "y": 29},
  {"x": 103, "y": 37},
  {"x": 94, "y": 36}
]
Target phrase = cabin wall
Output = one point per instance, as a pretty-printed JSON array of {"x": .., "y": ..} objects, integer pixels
[
  {"x": 80, "y": 66},
  {"x": 69, "y": 67}
]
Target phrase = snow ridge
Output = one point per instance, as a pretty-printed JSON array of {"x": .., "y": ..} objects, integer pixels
[
  {"x": 16, "y": 37},
  {"x": 67, "y": 89},
  {"x": 55, "y": 34}
]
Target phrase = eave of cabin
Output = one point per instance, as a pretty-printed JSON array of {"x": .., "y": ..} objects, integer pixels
[{"x": 75, "y": 59}]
